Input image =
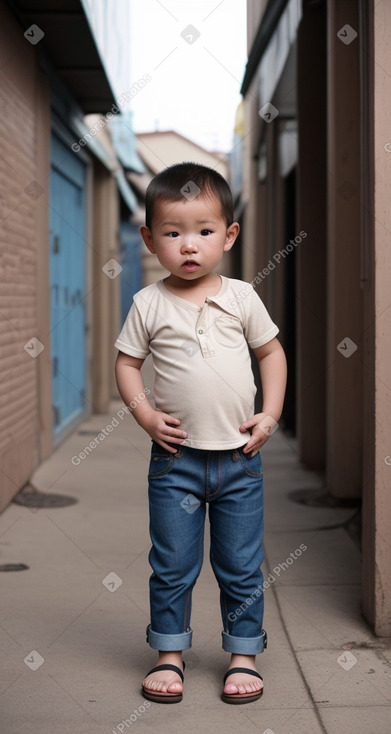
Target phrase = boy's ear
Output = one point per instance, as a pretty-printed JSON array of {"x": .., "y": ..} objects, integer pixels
[
  {"x": 146, "y": 234},
  {"x": 231, "y": 235}
]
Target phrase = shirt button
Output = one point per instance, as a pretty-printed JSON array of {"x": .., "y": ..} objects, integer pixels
[{"x": 200, "y": 331}]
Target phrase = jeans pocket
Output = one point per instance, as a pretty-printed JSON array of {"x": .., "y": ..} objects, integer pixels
[
  {"x": 252, "y": 466},
  {"x": 161, "y": 461}
]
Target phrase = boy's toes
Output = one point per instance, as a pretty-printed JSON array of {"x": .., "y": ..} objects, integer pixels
[
  {"x": 175, "y": 687},
  {"x": 231, "y": 688},
  {"x": 159, "y": 684},
  {"x": 242, "y": 683}
]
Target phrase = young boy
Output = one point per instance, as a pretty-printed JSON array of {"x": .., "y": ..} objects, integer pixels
[{"x": 205, "y": 438}]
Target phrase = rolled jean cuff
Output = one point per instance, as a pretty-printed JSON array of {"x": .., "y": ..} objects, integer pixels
[
  {"x": 244, "y": 645},
  {"x": 169, "y": 642}
]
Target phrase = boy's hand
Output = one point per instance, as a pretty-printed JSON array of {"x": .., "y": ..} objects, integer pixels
[
  {"x": 261, "y": 426},
  {"x": 163, "y": 427}
]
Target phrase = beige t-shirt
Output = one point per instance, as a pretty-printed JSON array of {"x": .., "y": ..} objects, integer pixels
[{"x": 200, "y": 356}]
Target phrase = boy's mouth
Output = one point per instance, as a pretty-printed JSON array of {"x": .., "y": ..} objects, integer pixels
[{"x": 190, "y": 266}]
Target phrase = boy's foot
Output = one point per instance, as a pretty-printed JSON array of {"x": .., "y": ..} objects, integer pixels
[
  {"x": 243, "y": 685},
  {"x": 165, "y": 685}
]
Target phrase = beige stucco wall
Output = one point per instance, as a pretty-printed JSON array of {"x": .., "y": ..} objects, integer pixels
[
  {"x": 344, "y": 376},
  {"x": 255, "y": 11},
  {"x": 255, "y": 212},
  {"x": 105, "y": 312},
  {"x": 377, "y": 416},
  {"x": 357, "y": 302}
]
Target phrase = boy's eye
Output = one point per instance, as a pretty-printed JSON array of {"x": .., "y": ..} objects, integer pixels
[
  {"x": 205, "y": 232},
  {"x": 172, "y": 234}
]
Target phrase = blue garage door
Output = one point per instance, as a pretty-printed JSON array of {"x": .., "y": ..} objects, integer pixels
[
  {"x": 67, "y": 221},
  {"x": 130, "y": 258}
]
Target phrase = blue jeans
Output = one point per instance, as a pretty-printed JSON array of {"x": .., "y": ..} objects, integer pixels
[{"x": 180, "y": 485}]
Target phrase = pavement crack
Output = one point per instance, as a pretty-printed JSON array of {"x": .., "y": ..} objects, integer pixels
[
  {"x": 9, "y": 635},
  {"x": 75, "y": 619},
  {"x": 73, "y": 698},
  {"x": 10, "y": 526},
  {"x": 11, "y": 684},
  {"x": 74, "y": 542}
]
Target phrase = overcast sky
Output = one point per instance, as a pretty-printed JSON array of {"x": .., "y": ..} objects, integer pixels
[{"x": 195, "y": 79}]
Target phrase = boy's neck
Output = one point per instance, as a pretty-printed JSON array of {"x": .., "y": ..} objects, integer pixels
[{"x": 194, "y": 290}]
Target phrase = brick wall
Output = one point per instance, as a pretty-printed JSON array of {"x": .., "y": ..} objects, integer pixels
[
  {"x": 26, "y": 435},
  {"x": 21, "y": 197}
]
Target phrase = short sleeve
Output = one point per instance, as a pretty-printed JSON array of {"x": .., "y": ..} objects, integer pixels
[
  {"x": 258, "y": 327},
  {"x": 133, "y": 338}
]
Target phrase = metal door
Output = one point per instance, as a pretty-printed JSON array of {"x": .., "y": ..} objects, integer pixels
[
  {"x": 67, "y": 221},
  {"x": 130, "y": 258}
]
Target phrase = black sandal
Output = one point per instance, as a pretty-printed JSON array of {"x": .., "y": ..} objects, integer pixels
[
  {"x": 168, "y": 697},
  {"x": 242, "y": 697}
]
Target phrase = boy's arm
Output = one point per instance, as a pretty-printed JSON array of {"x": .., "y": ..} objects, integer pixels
[
  {"x": 272, "y": 366},
  {"x": 160, "y": 426}
]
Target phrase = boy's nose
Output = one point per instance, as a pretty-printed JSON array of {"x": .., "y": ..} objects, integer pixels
[{"x": 189, "y": 245}]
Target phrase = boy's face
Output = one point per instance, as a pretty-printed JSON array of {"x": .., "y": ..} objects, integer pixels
[{"x": 189, "y": 237}]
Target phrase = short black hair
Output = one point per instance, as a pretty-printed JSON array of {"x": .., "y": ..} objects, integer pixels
[{"x": 175, "y": 181}]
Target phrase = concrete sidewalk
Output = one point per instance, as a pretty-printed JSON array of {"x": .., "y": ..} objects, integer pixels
[{"x": 73, "y": 625}]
